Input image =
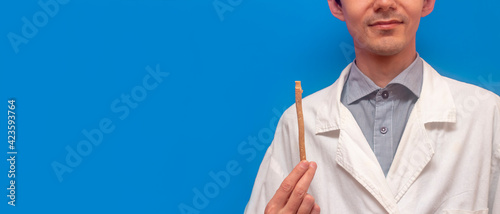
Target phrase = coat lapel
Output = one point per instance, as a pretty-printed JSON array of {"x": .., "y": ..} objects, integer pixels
[
  {"x": 416, "y": 149},
  {"x": 356, "y": 157},
  {"x": 353, "y": 152},
  {"x": 414, "y": 152}
]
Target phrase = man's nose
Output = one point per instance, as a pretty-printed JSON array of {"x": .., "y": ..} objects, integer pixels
[{"x": 384, "y": 5}]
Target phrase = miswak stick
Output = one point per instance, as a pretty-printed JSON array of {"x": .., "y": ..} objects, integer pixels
[{"x": 300, "y": 119}]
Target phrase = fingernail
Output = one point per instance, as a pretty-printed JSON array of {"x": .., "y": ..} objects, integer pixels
[
  {"x": 304, "y": 164},
  {"x": 312, "y": 164}
]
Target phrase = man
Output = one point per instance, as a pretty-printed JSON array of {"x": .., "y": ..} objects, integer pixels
[{"x": 390, "y": 135}]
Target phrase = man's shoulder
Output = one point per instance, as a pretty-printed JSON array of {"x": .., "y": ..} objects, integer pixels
[
  {"x": 463, "y": 90},
  {"x": 472, "y": 97}
]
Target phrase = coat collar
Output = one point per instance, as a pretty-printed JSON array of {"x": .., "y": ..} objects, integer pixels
[{"x": 328, "y": 116}]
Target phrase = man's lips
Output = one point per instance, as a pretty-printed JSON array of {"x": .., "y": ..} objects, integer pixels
[{"x": 385, "y": 24}]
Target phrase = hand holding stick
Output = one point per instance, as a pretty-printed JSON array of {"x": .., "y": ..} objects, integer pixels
[{"x": 292, "y": 196}]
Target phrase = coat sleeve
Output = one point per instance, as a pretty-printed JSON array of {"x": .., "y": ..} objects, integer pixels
[
  {"x": 494, "y": 199},
  {"x": 275, "y": 166}
]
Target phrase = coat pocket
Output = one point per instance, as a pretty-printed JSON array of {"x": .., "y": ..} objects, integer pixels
[{"x": 465, "y": 212}]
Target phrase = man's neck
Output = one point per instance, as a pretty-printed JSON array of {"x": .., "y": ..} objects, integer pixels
[{"x": 383, "y": 69}]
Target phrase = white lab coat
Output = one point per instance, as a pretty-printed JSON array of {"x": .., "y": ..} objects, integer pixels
[{"x": 448, "y": 160}]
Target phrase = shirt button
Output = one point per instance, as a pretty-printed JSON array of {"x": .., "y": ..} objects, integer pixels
[
  {"x": 385, "y": 94},
  {"x": 383, "y": 130}
]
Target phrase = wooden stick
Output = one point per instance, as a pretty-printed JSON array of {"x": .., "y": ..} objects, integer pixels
[{"x": 300, "y": 118}]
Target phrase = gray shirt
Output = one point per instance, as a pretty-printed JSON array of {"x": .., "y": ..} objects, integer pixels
[{"x": 382, "y": 113}]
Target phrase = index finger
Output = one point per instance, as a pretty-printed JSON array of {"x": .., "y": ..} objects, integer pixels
[
  {"x": 300, "y": 190},
  {"x": 283, "y": 193}
]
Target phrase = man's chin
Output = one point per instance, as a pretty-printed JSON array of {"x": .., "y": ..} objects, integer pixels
[{"x": 387, "y": 49}]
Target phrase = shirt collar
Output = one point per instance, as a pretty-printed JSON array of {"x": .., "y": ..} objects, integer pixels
[
  {"x": 435, "y": 104},
  {"x": 359, "y": 85}
]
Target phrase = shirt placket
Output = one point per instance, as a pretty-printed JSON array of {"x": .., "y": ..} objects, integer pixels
[{"x": 382, "y": 137}]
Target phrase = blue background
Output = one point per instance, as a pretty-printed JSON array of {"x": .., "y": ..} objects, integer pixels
[{"x": 230, "y": 77}]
